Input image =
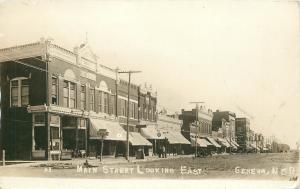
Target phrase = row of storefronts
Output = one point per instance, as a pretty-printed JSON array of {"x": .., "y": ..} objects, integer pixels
[
  {"x": 60, "y": 104},
  {"x": 76, "y": 134}
]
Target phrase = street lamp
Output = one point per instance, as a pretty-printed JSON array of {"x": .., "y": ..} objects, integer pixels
[
  {"x": 102, "y": 133},
  {"x": 127, "y": 126}
]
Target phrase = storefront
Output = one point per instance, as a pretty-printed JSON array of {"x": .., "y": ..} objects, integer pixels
[
  {"x": 157, "y": 138},
  {"x": 202, "y": 146},
  {"x": 224, "y": 144},
  {"x": 139, "y": 146},
  {"x": 58, "y": 135},
  {"x": 215, "y": 148},
  {"x": 113, "y": 142},
  {"x": 175, "y": 141},
  {"x": 233, "y": 147}
]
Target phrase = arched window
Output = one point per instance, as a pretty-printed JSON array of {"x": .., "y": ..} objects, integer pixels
[{"x": 19, "y": 92}]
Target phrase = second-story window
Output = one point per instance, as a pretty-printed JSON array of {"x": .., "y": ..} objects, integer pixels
[
  {"x": 100, "y": 105},
  {"x": 83, "y": 97},
  {"x": 19, "y": 88},
  {"x": 92, "y": 99},
  {"x": 145, "y": 112},
  {"x": 132, "y": 109},
  {"x": 105, "y": 102},
  {"x": 69, "y": 94},
  {"x": 123, "y": 107},
  {"x": 54, "y": 91}
]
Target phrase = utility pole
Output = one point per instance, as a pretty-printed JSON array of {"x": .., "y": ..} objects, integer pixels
[
  {"x": 127, "y": 126},
  {"x": 197, "y": 119}
]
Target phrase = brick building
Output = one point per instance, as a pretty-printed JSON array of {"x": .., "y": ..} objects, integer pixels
[
  {"x": 197, "y": 128},
  {"x": 242, "y": 127},
  {"x": 55, "y": 101},
  {"x": 225, "y": 120},
  {"x": 170, "y": 126}
]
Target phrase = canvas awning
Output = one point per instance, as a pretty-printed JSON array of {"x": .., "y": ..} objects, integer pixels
[
  {"x": 200, "y": 142},
  {"x": 231, "y": 143},
  {"x": 235, "y": 143},
  {"x": 249, "y": 147},
  {"x": 175, "y": 137},
  {"x": 136, "y": 139},
  {"x": 212, "y": 141},
  {"x": 254, "y": 146},
  {"x": 115, "y": 131},
  {"x": 150, "y": 132},
  {"x": 223, "y": 142}
]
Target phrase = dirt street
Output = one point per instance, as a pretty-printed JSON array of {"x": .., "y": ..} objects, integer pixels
[{"x": 282, "y": 166}]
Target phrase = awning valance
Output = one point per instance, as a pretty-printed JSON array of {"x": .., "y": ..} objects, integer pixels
[
  {"x": 115, "y": 131},
  {"x": 175, "y": 137},
  {"x": 200, "y": 142},
  {"x": 136, "y": 139},
  {"x": 150, "y": 132},
  {"x": 212, "y": 141}
]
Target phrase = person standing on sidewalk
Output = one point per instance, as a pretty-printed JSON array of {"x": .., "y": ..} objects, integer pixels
[
  {"x": 164, "y": 152},
  {"x": 159, "y": 151}
]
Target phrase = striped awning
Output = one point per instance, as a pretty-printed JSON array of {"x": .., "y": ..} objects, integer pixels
[
  {"x": 231, "y": 143},
  {"x": 223, "y": 142},
  {"x": 235, "y": 143},
  {"x": 212, "y": 141}
]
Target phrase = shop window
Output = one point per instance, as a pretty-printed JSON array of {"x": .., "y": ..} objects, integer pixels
[
  {"x": 40, "y": 138},
  {"x": 19, "y": 89},
  {"x": 54, "y": 91}
]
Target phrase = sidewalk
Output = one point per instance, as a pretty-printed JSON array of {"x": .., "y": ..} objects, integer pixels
[{"x": 93, "y": 162}]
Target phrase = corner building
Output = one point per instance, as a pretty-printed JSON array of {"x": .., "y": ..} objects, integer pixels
[{"x": 55, "y": 101}]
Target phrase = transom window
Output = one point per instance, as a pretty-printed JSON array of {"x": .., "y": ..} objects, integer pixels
[{"x": 19, "y": 88}]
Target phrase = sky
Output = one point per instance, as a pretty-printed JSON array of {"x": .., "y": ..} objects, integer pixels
[{"x": 241, "y": 56}]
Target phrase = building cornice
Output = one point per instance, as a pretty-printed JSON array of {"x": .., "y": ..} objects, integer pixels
[{"x": 23, "y": 51}]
